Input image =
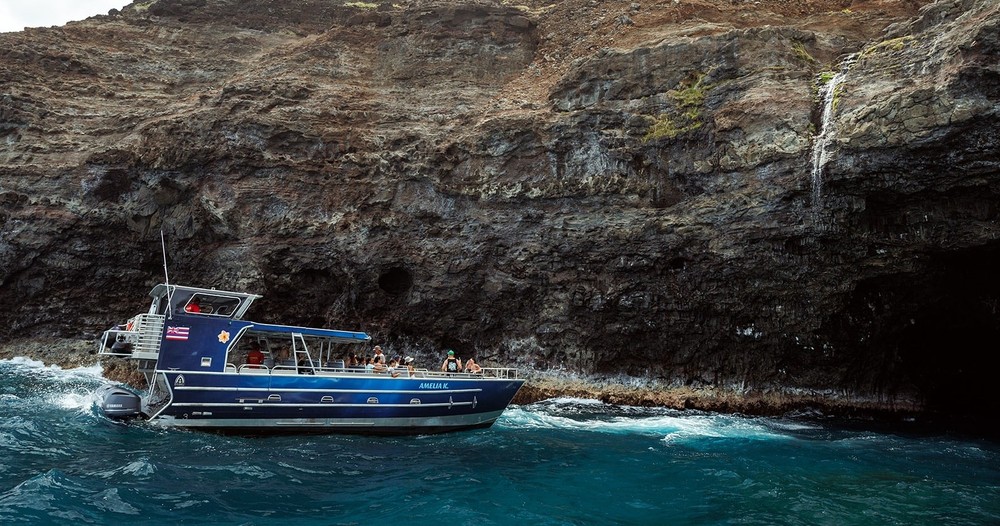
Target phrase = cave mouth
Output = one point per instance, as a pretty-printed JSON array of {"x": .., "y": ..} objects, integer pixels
[
  {"x": 395, "y": 281},
  {"x": 945, "y": 344}
]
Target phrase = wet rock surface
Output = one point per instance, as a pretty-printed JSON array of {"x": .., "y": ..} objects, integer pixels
[{"x": 613, "y": 189}]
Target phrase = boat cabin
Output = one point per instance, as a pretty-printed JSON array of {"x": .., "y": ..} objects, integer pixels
[{"x": 174, "y": 299}]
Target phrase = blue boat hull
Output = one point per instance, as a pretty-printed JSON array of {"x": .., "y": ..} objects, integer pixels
[
  {"x": 208, "y": 368},
  {"x": 265, "y": 403}
]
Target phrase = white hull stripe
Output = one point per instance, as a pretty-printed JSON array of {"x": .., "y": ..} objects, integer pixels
[
  {"x": 439, "y": 422},
  {"x": 265, "y": 403},
  {"x": 307, "y": 390}
]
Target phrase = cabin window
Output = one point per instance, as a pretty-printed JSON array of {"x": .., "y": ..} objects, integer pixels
[{"x": 211, "y": 304}]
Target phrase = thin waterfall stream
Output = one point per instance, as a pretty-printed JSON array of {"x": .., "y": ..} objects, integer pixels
[{"x": 828, "y": 129}]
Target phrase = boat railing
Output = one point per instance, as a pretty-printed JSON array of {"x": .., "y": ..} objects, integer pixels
[
  {"x": 486, "y": 372},
  {"x": 500, "y": 372},
  {"x": 138, "y": 339},
  {"x": 284, "y": 369},
  {"x": 252, "y": 368}
]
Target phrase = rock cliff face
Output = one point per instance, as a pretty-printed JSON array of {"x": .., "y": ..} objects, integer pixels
[{"x": 602, "y": 187}]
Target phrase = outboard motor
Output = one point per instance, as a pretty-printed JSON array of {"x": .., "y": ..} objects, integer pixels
[{"x": 119, "y": 403}]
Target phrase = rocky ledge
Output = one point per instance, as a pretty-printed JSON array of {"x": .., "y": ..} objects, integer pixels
[
  {"x": 711, "y": 195},
  {"x": 543, "y": 385}
]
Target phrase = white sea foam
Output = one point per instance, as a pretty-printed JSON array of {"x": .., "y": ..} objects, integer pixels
[
  {"x": 28, "y": 364},
  {"x": 674, "y": 428},
  {"x": 23, "y": 361},
  {"x": 573, "y": 401},
  {"x": 51, "y": 385},
  {"x": 71, "y": 400}
]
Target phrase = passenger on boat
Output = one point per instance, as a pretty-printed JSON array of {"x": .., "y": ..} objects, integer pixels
[
  {"x": 379, "y": 357},
  {"x": 192, "y": 307},
  {"x": 305, "y": 365},
  {"x": 409, "y": 366},
  {"x": 393, "y": 368},
  {"x": 369, "y": 365},
  {"x": 283, "y": 357},
  {"x": 255, "y": 358},
  {"x": 451, "y": 364},
  {"x": 472, "y": 367}
]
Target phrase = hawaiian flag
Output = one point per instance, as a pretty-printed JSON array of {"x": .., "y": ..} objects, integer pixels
[{"x": 178, "y": 333}]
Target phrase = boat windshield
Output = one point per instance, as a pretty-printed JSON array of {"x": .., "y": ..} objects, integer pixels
[
  {"x": 203, "y": 302},
  {"x": 211, "y": 304}
]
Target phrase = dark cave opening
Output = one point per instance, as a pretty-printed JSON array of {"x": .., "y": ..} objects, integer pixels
[
  {"x": 395, "y": 281},
  {"x": 947, "y": 326},
  {"x": 946, "y": 347}
]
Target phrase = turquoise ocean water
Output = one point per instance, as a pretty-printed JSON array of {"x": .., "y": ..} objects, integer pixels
[{"x": 559, "y": 462}]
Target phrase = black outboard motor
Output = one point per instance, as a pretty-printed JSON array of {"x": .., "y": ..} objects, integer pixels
[{"x": 119, "y": 403}]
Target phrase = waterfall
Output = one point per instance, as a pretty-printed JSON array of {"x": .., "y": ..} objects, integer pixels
[{"x": 827, "y": 94}]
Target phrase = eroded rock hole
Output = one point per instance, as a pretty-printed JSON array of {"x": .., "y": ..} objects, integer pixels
[
  {"x": 931, "y": 332},
  {"x": 395, "y": 281},
  {"x": 946, "y": 346}
]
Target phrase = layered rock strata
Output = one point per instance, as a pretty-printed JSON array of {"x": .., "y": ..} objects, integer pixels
[{"x": 603, "y": 188}]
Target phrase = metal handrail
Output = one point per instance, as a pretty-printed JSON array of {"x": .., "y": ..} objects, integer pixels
[
  {"x": 487, "y": 372},
  {"x": 140, "y": 339}
]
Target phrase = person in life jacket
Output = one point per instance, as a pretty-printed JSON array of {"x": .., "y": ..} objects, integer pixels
[
  {"x": 451, "y": 364},
  {"x": 254, "y": 356}
]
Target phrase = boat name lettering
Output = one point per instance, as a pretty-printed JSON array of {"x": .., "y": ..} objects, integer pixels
[{"x": 433, "y": 385}]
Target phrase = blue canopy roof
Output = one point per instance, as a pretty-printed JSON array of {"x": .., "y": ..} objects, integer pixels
[{"x": 329, "y": 334}]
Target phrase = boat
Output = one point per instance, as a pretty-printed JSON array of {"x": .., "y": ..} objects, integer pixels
[{"x": 207, "y": 368}]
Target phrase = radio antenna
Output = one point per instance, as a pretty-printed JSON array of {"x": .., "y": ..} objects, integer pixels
[{"x": 166, "y": 276}]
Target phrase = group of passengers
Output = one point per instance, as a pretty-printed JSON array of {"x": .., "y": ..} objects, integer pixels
[
  {"x": 454, "y": 365},
  {"x": 376, "y": 363}
]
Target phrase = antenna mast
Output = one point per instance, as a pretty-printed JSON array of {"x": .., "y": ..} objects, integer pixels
[{"x": 166, "y": 276}]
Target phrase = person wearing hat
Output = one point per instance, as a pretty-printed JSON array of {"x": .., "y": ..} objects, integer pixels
[
  {"x": 451, "y": 364},
  {"x": 408, "y": 361}
]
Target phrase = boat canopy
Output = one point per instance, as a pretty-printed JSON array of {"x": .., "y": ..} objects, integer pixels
[
  {"x": 226, "y": 304},
  {"x": 333, "y": 335}
]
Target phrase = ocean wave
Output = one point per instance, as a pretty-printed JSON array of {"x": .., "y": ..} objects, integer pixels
[
  {"x": 28, "y": 364},
  {"x": 673, "y": 428},
  {"x": 142, "y": 468},
  {"x": 108, "y": 500},
  {"x": 571, "y": 401},
  {"x": 40, "y": 493}
]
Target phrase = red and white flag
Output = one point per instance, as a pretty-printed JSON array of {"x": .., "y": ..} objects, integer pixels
[{"x": 178, "y": 333}]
